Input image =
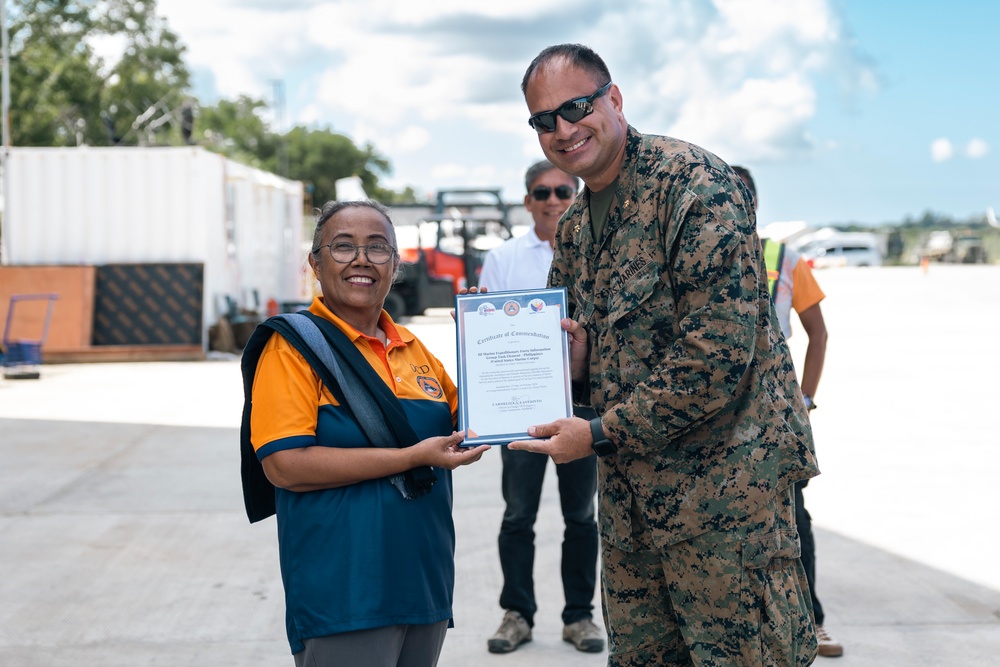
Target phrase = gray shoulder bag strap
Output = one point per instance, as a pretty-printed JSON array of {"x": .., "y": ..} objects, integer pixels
[{"x": 363, "y": 405}]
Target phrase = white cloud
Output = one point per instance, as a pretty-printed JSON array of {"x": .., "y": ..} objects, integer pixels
[
  {"x": 763, "y": 119},
  {"x": 460, "y": 174},
  {"x": 739, "y": 77},
  {"x": 976, "y": 148},
  {"x": 391, "y": 141},
  {"x": 942, "y": 150},
  {"x": 412, "y": 138},
  {"x": 224, "y": 40}
]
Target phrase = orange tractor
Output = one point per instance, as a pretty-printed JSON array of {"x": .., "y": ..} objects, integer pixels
[{"x": 443, "y": 251}]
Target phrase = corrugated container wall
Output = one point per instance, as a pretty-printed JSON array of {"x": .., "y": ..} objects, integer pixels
[{"x": 93, "y": 206}]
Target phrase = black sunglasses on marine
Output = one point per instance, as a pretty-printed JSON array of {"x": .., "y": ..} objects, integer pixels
[
  {"x": 542, "y": 192},
  {"x": 573, "y": 112}
]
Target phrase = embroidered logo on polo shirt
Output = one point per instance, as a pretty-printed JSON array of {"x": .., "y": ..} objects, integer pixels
[{"x": 430, "y": 386}]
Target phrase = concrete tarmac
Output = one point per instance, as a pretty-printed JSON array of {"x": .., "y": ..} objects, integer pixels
[{"x": 123, "y": 539}]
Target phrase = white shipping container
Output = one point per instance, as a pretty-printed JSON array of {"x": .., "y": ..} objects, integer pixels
[{"x": 94, "y": 206}]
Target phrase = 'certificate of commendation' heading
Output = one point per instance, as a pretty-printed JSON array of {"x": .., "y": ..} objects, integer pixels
[{"x": 513, "y": 363}]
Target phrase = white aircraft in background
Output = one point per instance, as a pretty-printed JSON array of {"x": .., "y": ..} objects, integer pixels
[{"x": 991, "y": 217}]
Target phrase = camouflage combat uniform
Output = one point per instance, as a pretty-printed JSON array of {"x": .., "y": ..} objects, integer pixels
[{"x": 693, "y": 378}]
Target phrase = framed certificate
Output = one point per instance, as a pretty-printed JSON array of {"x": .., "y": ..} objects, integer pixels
[{"x": 513, "y": 364}]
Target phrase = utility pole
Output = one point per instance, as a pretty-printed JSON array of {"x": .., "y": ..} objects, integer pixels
[
  {"x": 279, "y": 125},
  {"x": 5, "y": 120},
  {"x": 6, "y": 77}
]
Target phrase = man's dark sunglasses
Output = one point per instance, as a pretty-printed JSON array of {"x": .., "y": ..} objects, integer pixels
[
  {"x": 542, "y": 192},
  {"x": 573, "y": 112}
]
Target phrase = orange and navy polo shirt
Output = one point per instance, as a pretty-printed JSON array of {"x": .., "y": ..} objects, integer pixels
[
  {"x": 358, "y": 556},
  {"x": 287, "y": 392}
]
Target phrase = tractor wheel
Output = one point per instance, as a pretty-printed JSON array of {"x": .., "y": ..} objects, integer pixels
[{"x": 394, "y": 305}]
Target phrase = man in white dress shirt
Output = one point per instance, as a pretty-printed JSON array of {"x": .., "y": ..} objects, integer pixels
[{"x": 523, "y": 263}]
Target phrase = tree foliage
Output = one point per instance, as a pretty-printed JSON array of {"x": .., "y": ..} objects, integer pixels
[
  {"x": 145, "y": 94},
  {"x": 238, "y": 129},
  {"x": 54, "y": 79},
  {"x": 321, "y": 157},
  {"x": 65, "y": 93}
]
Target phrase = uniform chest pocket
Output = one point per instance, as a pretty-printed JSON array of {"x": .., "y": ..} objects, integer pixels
[
  {"x": 632, "y": 294},
  {"x": 641, "y": 316}
]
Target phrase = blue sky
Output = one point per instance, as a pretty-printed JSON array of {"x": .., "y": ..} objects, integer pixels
[
  {"x": 845, "y": 110},
  {"x": 937, "y": 79}
]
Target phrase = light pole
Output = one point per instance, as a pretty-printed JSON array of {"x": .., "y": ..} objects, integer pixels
[
  {"x": 279, "y": 126},
  {"x": 5, "y": 121},
  {"x": 5, "y": 83}
]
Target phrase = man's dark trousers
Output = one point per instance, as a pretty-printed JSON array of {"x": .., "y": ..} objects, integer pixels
[
  {"x": 803, "y": 523},
  {"x": 523, "y": 473}
]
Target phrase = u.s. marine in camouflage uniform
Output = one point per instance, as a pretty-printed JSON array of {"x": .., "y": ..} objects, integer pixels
[{"x": 676, "y": 345}]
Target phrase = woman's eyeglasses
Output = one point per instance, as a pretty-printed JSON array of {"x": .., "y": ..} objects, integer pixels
[
  {"x": 345, "y": 253},
  {"x": 542, "y": 192},
  {"x": 573, "y": 112}
]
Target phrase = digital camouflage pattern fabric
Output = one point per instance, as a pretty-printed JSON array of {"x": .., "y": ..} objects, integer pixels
[
  {"x": 739, "y": 597},
  {"x": 688, "y": 365},
  {"x": 691, "y": 374}
]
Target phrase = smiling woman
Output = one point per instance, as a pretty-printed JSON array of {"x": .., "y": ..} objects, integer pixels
[
  {"x": 356, "y": 273},
  {"x": 354, "y": 596}
]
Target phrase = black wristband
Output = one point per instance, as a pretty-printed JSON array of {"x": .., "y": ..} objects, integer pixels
[{"x": 602, "y": 444}]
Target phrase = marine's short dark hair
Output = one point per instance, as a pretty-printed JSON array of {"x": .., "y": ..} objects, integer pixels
[{"x": 579, "y": 55}]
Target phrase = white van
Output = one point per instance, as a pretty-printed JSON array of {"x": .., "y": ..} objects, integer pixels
[{"x": 842, "y": 249}]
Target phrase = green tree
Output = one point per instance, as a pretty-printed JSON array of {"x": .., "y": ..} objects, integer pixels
[
  {"x": 145, "y": 92},
  {"x": 320, "y": 157},
  {"x": 64, "y": 94},
  {"x": 390, "y": 197},
  {"x": 55, "y": 82},
  {"x": 238, "y": 130}
]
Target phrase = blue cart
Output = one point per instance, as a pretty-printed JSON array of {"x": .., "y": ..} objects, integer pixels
[{"x": 22, "y": 356}]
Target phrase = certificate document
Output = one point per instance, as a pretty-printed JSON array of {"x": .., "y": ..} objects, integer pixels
[{"x": 513, "y": 364}]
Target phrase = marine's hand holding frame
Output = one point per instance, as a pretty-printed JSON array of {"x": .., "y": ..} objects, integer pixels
[{"x": 513, "y": 363}]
